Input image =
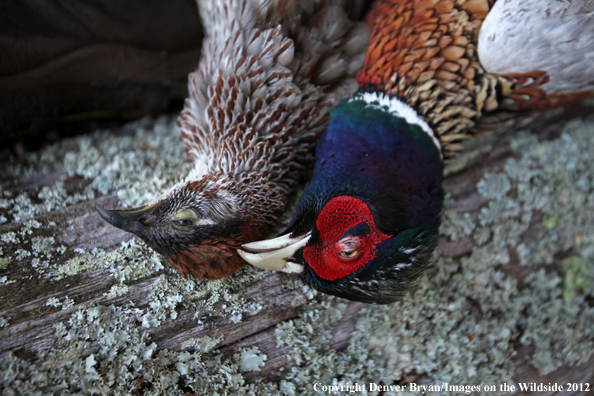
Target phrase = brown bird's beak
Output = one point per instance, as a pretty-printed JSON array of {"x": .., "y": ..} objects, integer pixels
[{"x": 130, "y": 220}]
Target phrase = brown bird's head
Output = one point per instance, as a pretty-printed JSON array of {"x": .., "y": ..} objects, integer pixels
[{"x": 197, "y": 225}]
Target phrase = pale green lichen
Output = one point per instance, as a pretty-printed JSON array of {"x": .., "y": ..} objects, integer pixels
[
  {"x": 42, "y": 249},
  {"x": 4, "y": 262},
  {"x": 165, "y": 297},
  {"x": 124, "y": 361},
  {"x": 85, "y": 261},
  {"x": 576, "y": 276},
  {"x": 53, "y": 302},
  {"x": 4, "y": 322},
  {"x": 494, "y": 185},
  {"x": 251, "y": 359},
  {"x": 118, "y": 164},
  {"x": 201, "y": 344},
  {"x": 52, "y": 197},
  {"x": 29, "y": 226},
  {"x": 10, "y": 237},
  {"x": 116, "y": 291},
  {"x": 170, "y": 291},
  {"x": 550, "y": 222},
  {"x": 43, "y": 245},
  {"x": 545, "y": 324},
  {"x": 309, "y": 292},
  {"x": 115, "y": 164},
  {"x": 67, "y": 303},
  {"x": 21, "y": 254},
  {"x": 131, "y": 261},
  {"x": 455, "y": 225},
  {"x": 138, "y": 261}
]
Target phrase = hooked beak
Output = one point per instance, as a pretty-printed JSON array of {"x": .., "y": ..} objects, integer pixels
[
  {"x": 274, "y": 254},
  {"x": 129, "y": 220}
]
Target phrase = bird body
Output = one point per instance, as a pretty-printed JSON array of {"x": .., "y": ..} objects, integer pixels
[
  {"x": 269, "y": 74},
  {"x": 366, "y": 226}
]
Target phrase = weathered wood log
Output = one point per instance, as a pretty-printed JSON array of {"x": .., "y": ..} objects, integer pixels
[{"x": 59, "y": 266}]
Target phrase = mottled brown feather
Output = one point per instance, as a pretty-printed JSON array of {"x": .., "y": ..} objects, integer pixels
[{"x": 425, "y": 54}]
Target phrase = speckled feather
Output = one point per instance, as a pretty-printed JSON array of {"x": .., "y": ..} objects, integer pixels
[{"x": 268, "y": 77}]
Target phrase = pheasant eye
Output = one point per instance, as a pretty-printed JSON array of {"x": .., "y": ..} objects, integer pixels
[
  {"x": 184, "y": 218},
  {"x": 348, "y": 247},
  {"x": 349, "y": 255}
]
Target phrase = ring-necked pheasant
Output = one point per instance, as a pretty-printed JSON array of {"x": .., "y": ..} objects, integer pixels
[
  {"x": 269, "y": 74},
  {"x": 366, "y": 226}
]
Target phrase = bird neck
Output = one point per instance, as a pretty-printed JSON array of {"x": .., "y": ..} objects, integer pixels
[
  {"x": 379, "y": 150},
  {"x": 406, "y": 119}
]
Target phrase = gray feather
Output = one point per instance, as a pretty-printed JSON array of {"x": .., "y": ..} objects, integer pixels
[{"x": 553, "y": 36}]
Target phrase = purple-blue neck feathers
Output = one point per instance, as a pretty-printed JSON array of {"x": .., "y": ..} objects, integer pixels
[{"x": 392, "y": 164}]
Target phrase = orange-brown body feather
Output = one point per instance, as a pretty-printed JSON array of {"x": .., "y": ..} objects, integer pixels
[{"x": 424, "y": 52}]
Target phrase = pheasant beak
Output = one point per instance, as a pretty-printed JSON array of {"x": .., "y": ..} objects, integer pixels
[
  {"x": 274, "y": 254},
  {"x": 130, "y": 220}
]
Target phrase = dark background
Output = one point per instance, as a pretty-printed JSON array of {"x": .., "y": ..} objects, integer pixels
[{"x": 67, "y": 67}]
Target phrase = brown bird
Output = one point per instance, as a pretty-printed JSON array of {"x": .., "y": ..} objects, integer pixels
[{"x": 269, "y": 74}]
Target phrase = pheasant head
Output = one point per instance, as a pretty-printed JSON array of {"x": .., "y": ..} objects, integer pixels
[{"x": 367, "y": 224}]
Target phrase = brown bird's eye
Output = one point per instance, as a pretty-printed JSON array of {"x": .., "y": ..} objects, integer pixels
[
  {"x": 183, "y": 222},
  {"x": 184, "y": 218}
]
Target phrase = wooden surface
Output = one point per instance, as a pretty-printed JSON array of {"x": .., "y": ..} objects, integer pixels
[{"x": 31, "y": 320}]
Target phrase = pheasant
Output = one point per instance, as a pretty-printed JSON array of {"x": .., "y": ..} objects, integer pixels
[
  {"x": 269, "y": 74},
  {"x": 366, "y": 226}
]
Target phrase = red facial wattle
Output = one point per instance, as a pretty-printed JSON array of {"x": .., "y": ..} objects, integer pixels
[{"x": 339, "y": 253}]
